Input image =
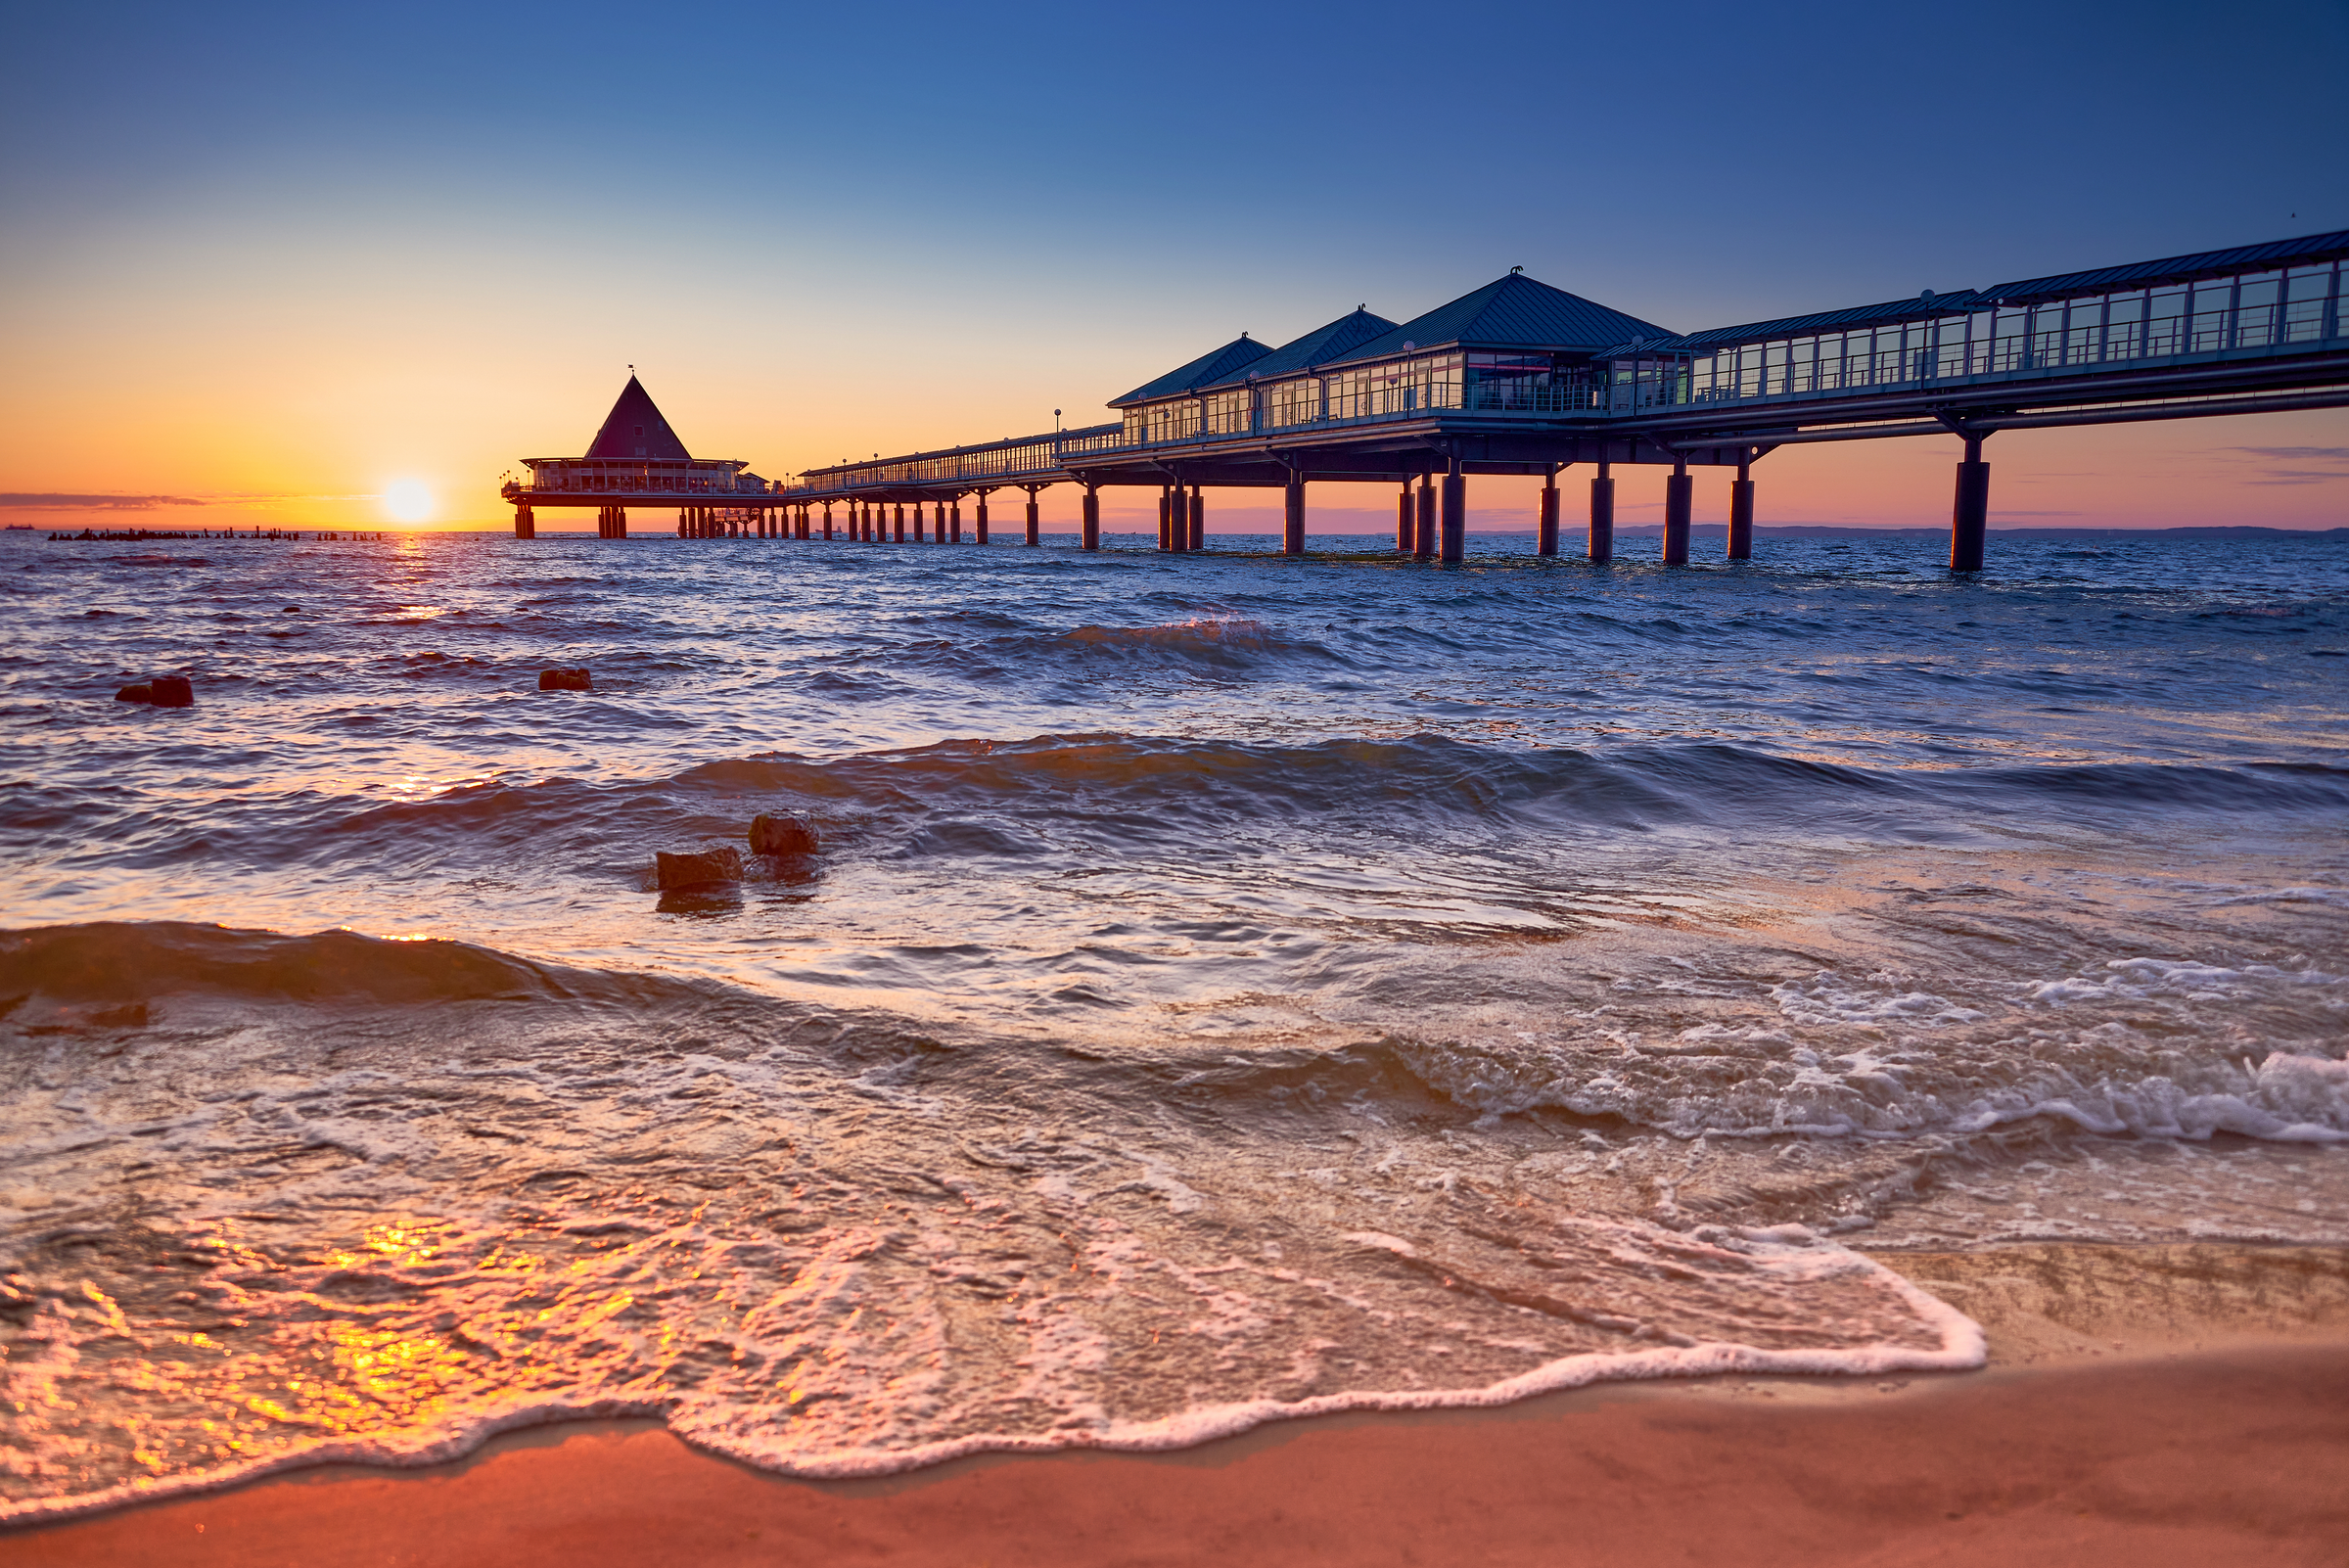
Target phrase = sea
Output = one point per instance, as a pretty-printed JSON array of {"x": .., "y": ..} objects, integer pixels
[{"x": 1226, "y": 987}]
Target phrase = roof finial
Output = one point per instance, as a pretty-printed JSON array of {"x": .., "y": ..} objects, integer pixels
[{"x": 1513, "y": 272}]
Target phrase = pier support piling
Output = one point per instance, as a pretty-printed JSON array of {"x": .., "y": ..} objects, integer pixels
[
  {"x": 1406, "y": 519},
  {"x": 1602, "y": 515},
  {"x": 524, "y": 526},
  {"x": 1456, "y": 514},
  {"x": 980, "y": 528},
  {"x": 901, "y": 539},
  {"x": 1292, "y": 517},
  {"x": 1423, "y": 525},
  {"x": 1678, "y": 506},
  {"x": 955, "y": 521},
  {"x": 1035, "y": 522},
  {"x": 1741, "y": 512},
  {"x": 1197, "y": 533},
  {"x": 1090, "y": 537},
  {"x": 827, "y": 521},
  {"x": 1545, "y": 539},
  {"x": 1165, "y": 518},
  {"x": 1970, "y": 519}
]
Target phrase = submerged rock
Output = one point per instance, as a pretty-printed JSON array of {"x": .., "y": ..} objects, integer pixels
[
  {"x": 164, "y": 691},
  {"x": 781, "y": 835},
  {"x": 566, "y": 680},
  {"x": 710, "y": 868}
]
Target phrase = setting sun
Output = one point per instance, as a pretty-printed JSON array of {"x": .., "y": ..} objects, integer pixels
[{"x": 408, "y": 501}]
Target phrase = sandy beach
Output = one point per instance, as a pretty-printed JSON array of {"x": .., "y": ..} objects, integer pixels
[{"x": 2184, "y": 1405}]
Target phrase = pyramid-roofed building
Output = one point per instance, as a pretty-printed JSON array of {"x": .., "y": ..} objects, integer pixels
[
  {"x": 634, "y": 429},
  {"x": 636, "y": 452}
]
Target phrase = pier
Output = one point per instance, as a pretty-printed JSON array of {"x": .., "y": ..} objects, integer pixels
[{"x": 1521, "y": 378}]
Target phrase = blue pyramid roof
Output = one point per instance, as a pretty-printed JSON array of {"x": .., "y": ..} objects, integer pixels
[
  {"x": 1319, "y": 347},
  {"x": 1514, "y": 312},
  {"x": 1209, "y": 367}
]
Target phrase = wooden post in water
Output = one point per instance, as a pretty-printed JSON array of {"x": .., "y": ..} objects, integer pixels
[
  {"x": 1969, "y": 518},
  {"x": 1546, "y": 539},
  {"x": 1091, "y": 538},
  {"x": 1196, "y": 533},
  {"x": 1677, "y": 507},
  {"x": 955, "y": 523},
  {"x": 1742, "y": 510},
  {"x": 1456, "y": 514},
  {"x": 827, "y": 521},
  {"x": 1166, "y": 539},
  {"x": 1405, "y": 521},
  {"x": 979, "y": 523},
  {"x": 1424, "y": 526},
  {"x": 1035, "y": 524},
  {"x": 901, "y": 539},
  {"x": 1602, "y": 512},
  {"x": 1292, "y": 515},
  {"x": 524, "y": 526}
]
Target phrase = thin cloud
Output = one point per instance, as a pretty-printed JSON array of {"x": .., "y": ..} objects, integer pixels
[
  {"x": 55, "y": 502},
  {"x": 2297, "y": 454}
]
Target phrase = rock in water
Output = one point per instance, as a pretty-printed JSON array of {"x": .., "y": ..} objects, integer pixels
[
  {"x": 171, "y": 691},
  {"x": 566, "y": 680},
  {"x": 781, "y": 835},
  {"x": 703, "y": 870},
  {"x": 140, "y": 693}
]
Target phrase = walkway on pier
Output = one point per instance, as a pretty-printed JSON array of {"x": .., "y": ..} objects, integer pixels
[{"x": 1522, "y": 378}]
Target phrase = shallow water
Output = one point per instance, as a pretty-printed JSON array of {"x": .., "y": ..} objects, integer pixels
[{"x": 1228, "y": 986}]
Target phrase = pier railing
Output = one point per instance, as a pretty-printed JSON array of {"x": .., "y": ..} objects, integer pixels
[{"x": 2066, "y": 327}]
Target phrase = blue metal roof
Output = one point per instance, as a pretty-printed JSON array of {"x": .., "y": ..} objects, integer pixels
[
  {"x": 2305, "y": 250},
  {"x": 1512, "y": 312},
  {"x": 1922, "y": 308},
  {"x": 1319, "y": 347},
  {"x": 1207, "y": 367},
  {"x": 2309, "y": 249}
]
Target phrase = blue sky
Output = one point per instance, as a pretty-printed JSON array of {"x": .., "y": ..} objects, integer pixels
[{"x": 291, "y": 249}]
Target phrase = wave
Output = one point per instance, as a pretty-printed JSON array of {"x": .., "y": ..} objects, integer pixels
[{"x": 119, "y": 963}]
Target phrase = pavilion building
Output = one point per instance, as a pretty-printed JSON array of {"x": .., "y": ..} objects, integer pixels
[{"x": 637, "y": 457}]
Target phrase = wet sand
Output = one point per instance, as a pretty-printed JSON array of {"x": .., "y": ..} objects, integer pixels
[{"x": 2143, "y": 1406}]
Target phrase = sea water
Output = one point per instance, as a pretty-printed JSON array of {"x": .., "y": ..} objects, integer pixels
[{"x": 1228, "y": 986}]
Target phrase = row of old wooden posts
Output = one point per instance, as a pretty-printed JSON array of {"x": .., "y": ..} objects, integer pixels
[{"x": 1431, "y": 520}]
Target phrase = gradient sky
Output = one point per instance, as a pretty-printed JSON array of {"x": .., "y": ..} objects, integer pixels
[{"x": 276, "y": 258}]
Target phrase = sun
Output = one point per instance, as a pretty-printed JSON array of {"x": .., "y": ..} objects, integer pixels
[{"x": 408, "y": 501}]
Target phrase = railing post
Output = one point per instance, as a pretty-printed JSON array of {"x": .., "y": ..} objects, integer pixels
[
  {"x": 1678, "y": 508},
  {"x": 1969, "y": 518},
  {"x": 1091, "y": 538},
  {"x": 1546, "y": 540}
]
